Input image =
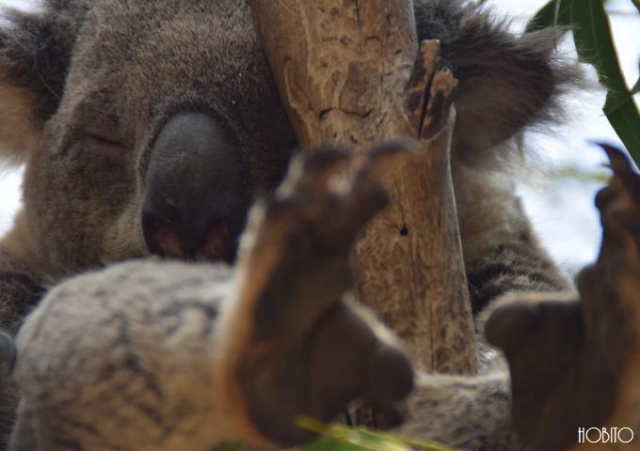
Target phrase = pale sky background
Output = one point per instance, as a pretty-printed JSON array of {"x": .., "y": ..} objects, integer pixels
[{"x": 561, "y": 208}]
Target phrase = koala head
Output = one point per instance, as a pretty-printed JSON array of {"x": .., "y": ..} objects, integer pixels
[{"x": 146, "y": 127}]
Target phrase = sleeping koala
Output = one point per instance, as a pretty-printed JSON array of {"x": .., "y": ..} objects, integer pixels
[
  {"x": 198, "y": 354},
  {"x": 150, "y": 128}
]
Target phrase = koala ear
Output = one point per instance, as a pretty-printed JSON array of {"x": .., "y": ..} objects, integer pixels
[
  {"x": 506, "y": 81},
  {"x": 35, "y": 50},
  {"x": 509, "y": 83}
]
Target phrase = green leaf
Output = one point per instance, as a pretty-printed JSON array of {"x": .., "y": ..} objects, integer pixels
[
  {"x": 637, "y": 3},
  {"x": 330, "y": 444},
  {"x": 336, "y": 437},
  {"x": 636, "y": 87},
  {"x": 555, "y": 12},
  {"x": 594, "y": 43},
  {"x": 623, "y": 116},
  {"x": 579, "y": 175},
  {"x": 235, "y": 446}
]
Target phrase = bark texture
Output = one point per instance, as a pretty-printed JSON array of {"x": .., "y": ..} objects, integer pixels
[{"x": 352, "y": 72}]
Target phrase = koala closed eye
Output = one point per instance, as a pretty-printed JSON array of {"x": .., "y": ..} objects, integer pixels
[{"x": 107, "y": 142}]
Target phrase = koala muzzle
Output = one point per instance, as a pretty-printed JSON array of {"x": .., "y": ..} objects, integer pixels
[{"x": 195, "y": 202}]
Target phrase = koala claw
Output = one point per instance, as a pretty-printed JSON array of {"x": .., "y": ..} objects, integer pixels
[
  {"x": 309, "y": 344},
  {"x": 243, "y": 351},
  {"x": 576, "y": 363}
]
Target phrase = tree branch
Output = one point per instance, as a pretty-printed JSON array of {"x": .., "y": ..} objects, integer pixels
[{"x": 348, "y": 74}]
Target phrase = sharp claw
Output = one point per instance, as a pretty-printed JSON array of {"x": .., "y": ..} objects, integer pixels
[
  {"x": 389, "y": 154},
  {"x": 376, "y": 200},
  {"x": 398, "y": 148},
  {"x": 367, "y": 182},
  {"x": 278, "y": 209},
  {"x": 310, "y": 173},
  {"x": 367, "y": 196},
  {"x": 624, "y": 185},
  {"x": 366, "y": 199},
  {"x": 623, "y": 169},
  {"x": 321, "y": 166},
  {"x": 617, "y": 158},
  {"x": 325, "y": 161},
  {"x": 301, "y": 319}
]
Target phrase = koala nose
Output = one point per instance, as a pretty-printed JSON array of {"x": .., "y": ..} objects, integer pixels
[{"x": 196, "y": 200}]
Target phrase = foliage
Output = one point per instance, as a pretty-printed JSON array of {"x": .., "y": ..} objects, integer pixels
[
  {"x": 337, "y": 437},
  {"x": 594, "y": 44}
]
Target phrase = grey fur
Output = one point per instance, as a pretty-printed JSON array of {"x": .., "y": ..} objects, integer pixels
[
  {"x": 194, "y": 355},
  {"x": 123, "y": 68}
]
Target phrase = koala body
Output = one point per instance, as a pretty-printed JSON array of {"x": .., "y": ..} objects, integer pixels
[
  {"x": 152, "y": 127},
  {"x": 198, "y": 354}
]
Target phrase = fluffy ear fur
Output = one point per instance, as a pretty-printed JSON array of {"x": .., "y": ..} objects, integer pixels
[
  {"x": 35, "y": 49},
  {"x": 507, "y": 81}
]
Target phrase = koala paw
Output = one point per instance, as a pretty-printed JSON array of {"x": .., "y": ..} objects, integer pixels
[
  {"x": 576, "y": 363},
  {"x": 309, "y": 350}
]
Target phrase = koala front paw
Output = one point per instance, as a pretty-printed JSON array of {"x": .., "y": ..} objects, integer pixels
[
  {"x": 308, "y": 350},
  {"x": 576, "y": 363}
]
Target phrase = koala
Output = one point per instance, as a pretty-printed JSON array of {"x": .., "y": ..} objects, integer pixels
[
  {"x": 151, "y": 128},
  {"x": 198, "y": 354}
]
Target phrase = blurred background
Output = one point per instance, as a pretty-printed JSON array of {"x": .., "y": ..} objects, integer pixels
[{"x": 559, "y": 195}]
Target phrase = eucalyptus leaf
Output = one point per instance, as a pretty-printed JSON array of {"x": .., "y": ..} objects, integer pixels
[
  {"x": 330, "y": 444},
  {"x": 234, "y": 446},
  {"x": 553, "y": 13},
  {"x": 636, "y": 87},
  {"x": 594, "y": 44},
  {"x": 343, "y": 438}
]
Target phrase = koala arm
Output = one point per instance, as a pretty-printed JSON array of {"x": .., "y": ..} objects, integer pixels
[
  {"x": 502, "y": 253},
  {"x": 19, "y": 293},
  {"x": 20, "y": 288},
  {"x": 165, "y": 355},
  {"x": 464, "y": 412},
  {"x": 573, "y": 357}
]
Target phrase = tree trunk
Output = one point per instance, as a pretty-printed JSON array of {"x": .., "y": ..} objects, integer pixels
[{"x": 348, "y": 74}]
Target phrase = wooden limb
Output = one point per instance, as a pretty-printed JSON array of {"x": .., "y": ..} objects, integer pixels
[{"x": 348, "y": 74}]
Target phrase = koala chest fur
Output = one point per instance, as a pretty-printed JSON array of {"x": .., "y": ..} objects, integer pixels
[{"x": 150, "y": 128}]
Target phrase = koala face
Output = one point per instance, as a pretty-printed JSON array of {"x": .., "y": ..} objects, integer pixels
[
  {"x": 168, "y": 126},
  {"x": 149, "y": 127}
]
